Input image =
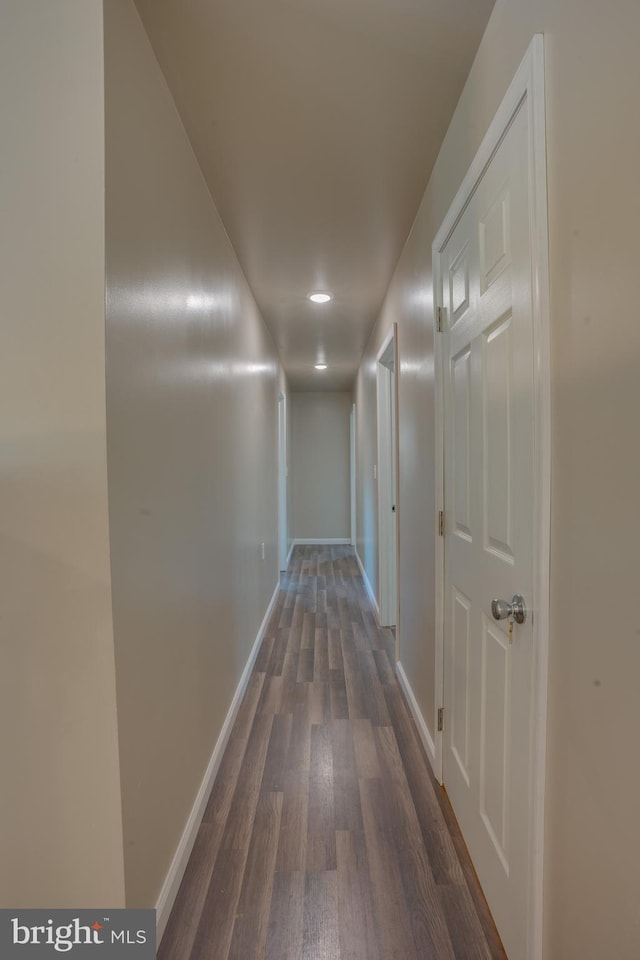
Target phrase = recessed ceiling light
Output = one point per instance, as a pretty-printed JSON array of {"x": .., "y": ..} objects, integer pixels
[
  {"x": 319, "y": 297},
  {"x": 321, "y": 366}
]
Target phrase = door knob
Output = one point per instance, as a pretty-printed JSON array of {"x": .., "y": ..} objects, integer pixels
[{"x": 516, "y": 610}]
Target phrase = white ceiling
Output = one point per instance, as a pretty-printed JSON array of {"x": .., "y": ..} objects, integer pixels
[{"x": 316, "y": 124}]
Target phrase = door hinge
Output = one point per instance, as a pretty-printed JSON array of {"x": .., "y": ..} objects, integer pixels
[
  {"x": 440, "y": 719},
  {"x": 441, "y": 523},
  {"x": 439, "y": 319}
]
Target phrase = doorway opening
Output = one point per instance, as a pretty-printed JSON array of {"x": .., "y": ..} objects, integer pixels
[
  {"x": 352, "y": 458},
  {"x": 282, "y": 484},
  {"x": 387, "y": 409}
]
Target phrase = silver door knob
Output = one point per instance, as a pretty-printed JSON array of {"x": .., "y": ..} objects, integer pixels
[{"x": 501, "y": 610}]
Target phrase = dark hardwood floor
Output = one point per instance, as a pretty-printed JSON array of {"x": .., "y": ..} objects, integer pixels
[{"x": 326, "y": 836}]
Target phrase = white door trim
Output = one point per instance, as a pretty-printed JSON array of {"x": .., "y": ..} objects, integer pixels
[
  {"x": 385, "y": 537},
  {"x": 527, "y": 85}
]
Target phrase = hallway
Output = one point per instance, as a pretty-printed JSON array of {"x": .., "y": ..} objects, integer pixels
[{"x": 325, "y": 835}]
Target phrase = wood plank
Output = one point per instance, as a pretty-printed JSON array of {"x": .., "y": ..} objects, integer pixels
[
  {"x": 429, "y": 926},
  {"x": 356, "y": 695},
  {"x": 305, "y": 665},
  {"x": 318, "y": 699},
  {"x": 251, "y": 925},
  {"x": 335, "y": 649},
  {"x": 386, "y": 673},
  {"x": 386, "y": 881},
  {"x": 279, "y": 650},
  {"x": 308, "y": 631},
  {"x": 443, "y": 858},
  {"x": 401, "y": 816},
  {"x": 344, "y": 610},
  {"x": 321, "y": 655},
  {"x": 215, "y": 929},
  {"x": 286, "y": 617},
  {"x": 276, "y": 762},
  {"x": 320, "y": 937},
  {"x": 346, "y": 791},
  {"x": 321, "y": 838},
  {"x": 366, "y": 753},
  {"x": 357, "y": 923},
  {"x": 299, "y": 757},
  {"x": 246, "y": 712},
  {"x": 290, "y": 663},
  {"x": 465, "y": 929},
  {"x": 292, "y": 842},
  {"x": 371, "y": 628},
  {"x": 217, "y": 809},
  {"x": 338, "y": 702},
  {"x": 264, "y": 655},
  {"x": 298, "y": 610},
  {"x": 239, "y": 825},
  {"x": 271, "y": 695},
  {"x": 389, "y": 757},
  {"x": 360, "y": 640},
  {"x": 375, "y": 703},
  {"x": 180, "y": 931},
  {"x": 285, "y": 933}
]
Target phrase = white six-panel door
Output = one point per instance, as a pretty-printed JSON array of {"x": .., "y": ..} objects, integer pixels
[{"x": 489, "y": 529}]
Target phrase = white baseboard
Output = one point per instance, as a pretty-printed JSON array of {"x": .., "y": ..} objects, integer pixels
[
  {"x": 321, "y": 541},
  {"x": 293, "y": 543},
  {"x": 423, "y": 730},
  {"x": 368, "y": 588},
  {"x": 178, "y": 866}
]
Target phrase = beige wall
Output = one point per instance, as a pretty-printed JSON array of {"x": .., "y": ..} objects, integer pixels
[
  {"x": 593, "y": 796},
  {"x": 321, "y": 492},
  {"x": 192, "y": 390},
  {"x": 60, "y": 824}
]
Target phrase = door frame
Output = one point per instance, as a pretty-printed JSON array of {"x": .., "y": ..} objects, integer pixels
[
  {"x": 526, "y": 91},
  {"x": 385, "y": 536},
  {"x": 283, "y": 531},
  {"x": 352, "y": 471}
]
